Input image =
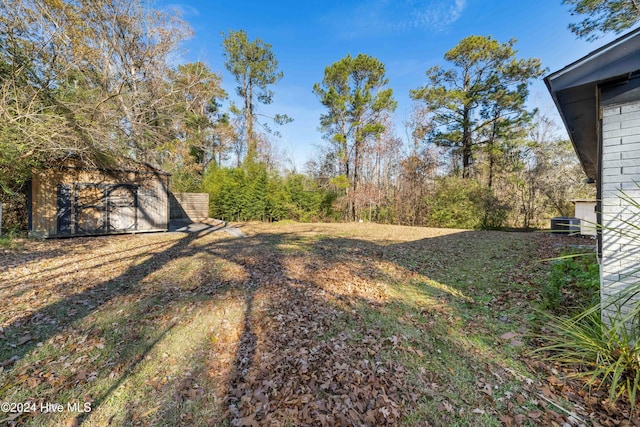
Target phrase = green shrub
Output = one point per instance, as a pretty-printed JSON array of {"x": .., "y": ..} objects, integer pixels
[
  {"x": 598, "y": 353},
  {"x": 251, "y": 193},
  {"x": 603, "y": 353},
  {"x": 6, "y": 242},
  {"x": 226, "y": 193},
  {"x": 464, "y": 203},
  {"x": 572, "y": 274},
  {"x": 185, "y": 181},
  {"x": 11, "y": 238}
]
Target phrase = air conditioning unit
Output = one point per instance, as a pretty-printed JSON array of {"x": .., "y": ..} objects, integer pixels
[{"x": 565, "y": 225}]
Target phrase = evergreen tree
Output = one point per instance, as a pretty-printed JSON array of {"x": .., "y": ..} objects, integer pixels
[
  {"x": 355, "y": 94},
  {"x": 603, "y": 16},
  {"x": 485, "y": 87},
  {"x": 255, "y": 68}
]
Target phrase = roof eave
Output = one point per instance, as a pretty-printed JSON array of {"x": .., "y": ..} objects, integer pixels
[{"x": 574, "y": 91}]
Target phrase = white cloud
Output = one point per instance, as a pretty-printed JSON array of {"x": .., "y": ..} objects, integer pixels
[
  {"x": 384, "y": 16},
  {"x": 436, "y": 15},
  {"x": 184, "y": 9}
]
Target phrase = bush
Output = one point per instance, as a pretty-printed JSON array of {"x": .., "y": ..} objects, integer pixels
[
  {"x": 185, "y": 181},
  {"x": 602, "y": 353},
  {"x": 464, "y": 203},
  {"x": 574, "y": 279},
  {"x": 225, "y": 188},
  {"x": 303, "y": 198},
  {"x": 251, "y": 193},
  {"x": 14, "y": 209}
]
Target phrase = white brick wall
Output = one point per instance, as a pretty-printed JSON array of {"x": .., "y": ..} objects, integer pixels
[{"x": 620, "y": 219}]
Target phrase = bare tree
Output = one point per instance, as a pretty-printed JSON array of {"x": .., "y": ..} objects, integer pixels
[{"x": 87, "y": 77}]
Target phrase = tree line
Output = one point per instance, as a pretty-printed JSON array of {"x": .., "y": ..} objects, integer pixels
[{"x": 97, "y": 80}]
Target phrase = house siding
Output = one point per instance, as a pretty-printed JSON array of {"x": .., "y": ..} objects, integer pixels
[{"x": 620, "y": 173}]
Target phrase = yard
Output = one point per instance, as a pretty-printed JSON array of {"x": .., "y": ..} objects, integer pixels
[{"x": 296, "y": 324}]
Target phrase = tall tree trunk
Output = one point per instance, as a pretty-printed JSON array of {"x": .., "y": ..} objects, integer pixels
[
  {"x": 248, "y": 124},
  {"x": 466, "y": 143},
  {"x": 492, "y": 161},
  {"x": 356, "y": 177},
  {"x": 491, "y": 145}
]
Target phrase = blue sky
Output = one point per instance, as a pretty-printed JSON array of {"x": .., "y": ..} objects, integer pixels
[{"x": 408, "y": 36}]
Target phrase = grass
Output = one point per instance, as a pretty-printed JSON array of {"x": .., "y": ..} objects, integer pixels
[
  {"x": 601, "y": 356},
  {"x": 297, "y": 323},
  {"x": 10, "y": 242},
  {"x": 573, "y": 282}
]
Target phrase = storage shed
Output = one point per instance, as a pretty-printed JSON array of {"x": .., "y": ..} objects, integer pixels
[
  {"x": 598, "y": 97},
  {"x": 585, "y": 211},
  {"x": 73, "y": 199}
]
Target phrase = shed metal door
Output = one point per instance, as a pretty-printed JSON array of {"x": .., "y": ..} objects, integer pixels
[
  {"x": 122, "y": 203},
  {"x": 90, "y": 208},
  {"x": 63, "y": 213}
]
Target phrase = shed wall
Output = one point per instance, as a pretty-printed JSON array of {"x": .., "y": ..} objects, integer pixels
[
  {"x": 620, "y": 219},
  {"x": 586, "y": 212},
  {"x": 87, "y": 187}
]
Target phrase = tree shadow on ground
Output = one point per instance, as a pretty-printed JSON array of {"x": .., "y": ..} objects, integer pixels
[
  {"x": 58, "y": 316},
  {"x": 323, "y": 335},
  {"x": 321, "y": 340}
]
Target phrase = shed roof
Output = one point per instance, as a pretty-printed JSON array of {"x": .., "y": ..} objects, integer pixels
[
  {"x": 121, "y": 164},
  {"x": 575, "y": 92}
]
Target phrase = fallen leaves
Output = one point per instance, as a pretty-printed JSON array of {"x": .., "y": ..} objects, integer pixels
[
  {"x": 561, "y": 387},
  {"x": 325, "y": 334},
  {"x": 306, "y": 355}
]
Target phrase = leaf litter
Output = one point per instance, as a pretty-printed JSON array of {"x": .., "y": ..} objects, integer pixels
[{"x": 312, "y": 324}]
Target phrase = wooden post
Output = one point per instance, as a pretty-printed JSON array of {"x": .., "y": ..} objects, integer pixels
[{"x": 0, "y": 218}]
